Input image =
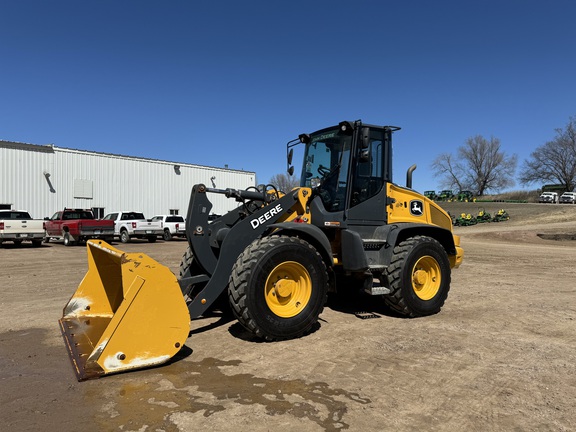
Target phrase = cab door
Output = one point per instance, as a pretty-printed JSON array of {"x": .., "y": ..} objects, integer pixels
[{"x": 371, "y": 170}]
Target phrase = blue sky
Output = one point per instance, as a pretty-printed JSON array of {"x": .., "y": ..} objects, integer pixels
[{"x": 230, "y": 82}]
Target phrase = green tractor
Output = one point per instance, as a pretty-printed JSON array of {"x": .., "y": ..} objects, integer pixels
[
  {"x": 431, "y": 195},
  {"x": 465, "y": 196},
  {"x": 445, "y": 195}
]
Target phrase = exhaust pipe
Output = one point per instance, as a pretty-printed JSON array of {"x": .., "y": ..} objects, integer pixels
[{"x": 409, "y": 176}]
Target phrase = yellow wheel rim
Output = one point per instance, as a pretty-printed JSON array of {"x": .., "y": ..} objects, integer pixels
[
  {"x": 288, "y": 289},
  {"x": 426, "y": 277}
]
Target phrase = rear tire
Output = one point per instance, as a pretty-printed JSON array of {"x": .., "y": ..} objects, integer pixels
[
  {"x": 67, "y": 240},
  {"x": 124, "y": 236},
  {"x": 419, "y": 277},
  {"x": 37, "y": 243},
  {"x": 278, "y": 287},
  {"x": 152, "y": 239},
  {"x": 167, "y": 236}
]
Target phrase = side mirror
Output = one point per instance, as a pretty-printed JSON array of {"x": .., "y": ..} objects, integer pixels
[
  {"x": 365, "y": 138},
  {"x": 290, "y": 167}
]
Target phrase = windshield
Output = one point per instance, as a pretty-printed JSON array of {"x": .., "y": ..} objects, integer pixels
[{"x": 325, "y": 166}]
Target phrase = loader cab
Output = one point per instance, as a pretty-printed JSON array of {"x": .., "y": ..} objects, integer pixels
[{"x": 348, "y": 166}]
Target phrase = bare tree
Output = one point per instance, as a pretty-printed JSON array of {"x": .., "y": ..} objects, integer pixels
[
  {"x": 450, "y": 170},
  {"x": 480, "y": 165},
  {"x": 284, "y": 182},
  {"x": 555, "y": 161}
]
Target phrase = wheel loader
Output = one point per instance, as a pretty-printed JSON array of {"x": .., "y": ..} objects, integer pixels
[{"x": 347, "y": 228}]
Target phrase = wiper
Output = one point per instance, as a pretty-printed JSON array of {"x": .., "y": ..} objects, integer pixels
[{"x": 326, "y": 173}]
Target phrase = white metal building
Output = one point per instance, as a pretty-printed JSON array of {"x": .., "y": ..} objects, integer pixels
[{"x": 44, "y": 179}]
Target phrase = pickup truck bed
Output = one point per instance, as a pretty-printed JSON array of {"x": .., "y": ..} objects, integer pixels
[
  {"x": 131, "y": 224},
  {"x": 73, "y": 225},
  {"x": 17, "y": 226}
]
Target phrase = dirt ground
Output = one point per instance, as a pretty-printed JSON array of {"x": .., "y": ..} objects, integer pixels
[{"x": 501, "y": 355}]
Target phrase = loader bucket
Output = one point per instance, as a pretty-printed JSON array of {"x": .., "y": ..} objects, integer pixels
[{"x": 127, "y": 313}]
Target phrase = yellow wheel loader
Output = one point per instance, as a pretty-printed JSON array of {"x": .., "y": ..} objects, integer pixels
[{"x": 275, "y": 257}]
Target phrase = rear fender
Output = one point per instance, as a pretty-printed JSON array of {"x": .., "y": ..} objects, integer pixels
[{"x": 397, "y": 233}]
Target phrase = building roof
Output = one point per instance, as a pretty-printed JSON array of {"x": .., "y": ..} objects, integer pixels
[{"x": 51, "y": 148}]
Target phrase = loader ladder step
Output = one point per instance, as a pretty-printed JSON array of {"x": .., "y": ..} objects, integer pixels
[
  {"x": 378, "y": 290},
  {"x": 373, "y": 244}
]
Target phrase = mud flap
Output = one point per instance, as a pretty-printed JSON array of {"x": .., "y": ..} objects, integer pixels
[{"x": 127, "y": 313}]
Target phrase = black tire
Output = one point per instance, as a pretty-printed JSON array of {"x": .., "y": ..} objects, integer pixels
[
  {"x": 17, "y": 242},
  {"x": 36, "y": 242},
  {"x": 124, "y": 236},
  {"x": 167, "y": 236},
  {"x": 188, "y": 261},
  {"x": 257, "y": 301},
  {"x": 419, "y": 277},
  {"x": 67, "y": 240},
  {"x": 152, "y": 239}
]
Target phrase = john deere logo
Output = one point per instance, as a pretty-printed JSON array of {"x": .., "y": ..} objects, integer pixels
[{"x": 416, "y": 208}]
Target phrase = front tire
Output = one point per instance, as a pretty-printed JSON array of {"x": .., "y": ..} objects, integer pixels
[
  {"x": 419, "y": 277},
  {"x": 278, "y": 287},
  {"x": 190, "y": 292}
]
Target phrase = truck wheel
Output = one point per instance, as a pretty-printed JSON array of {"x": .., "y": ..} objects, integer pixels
[
  {"x": 419, "y": 277},
  {"x": 36, "y": 242},
  {"x": 167, "y": 236},
  {"x": 278, "y": 287},
  {"x": 67, "y": 240},
  {"x": 17, "y": 242},
  {"x": 124, "y": 236},
  {"x": 152, "y": 239}
]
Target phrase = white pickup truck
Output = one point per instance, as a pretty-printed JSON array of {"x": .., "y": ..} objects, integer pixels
[
  {"x": 548, "y": 197},
  {"x": 130, "y": 224},
  {"x": 18, "y": 226},
  {"x": 174, "y": 225}
]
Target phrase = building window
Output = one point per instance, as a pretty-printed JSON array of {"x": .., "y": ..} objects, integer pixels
[
  {"x": 83, "y": 189},
  {"x": 98, "y": 212},
  {"x": 5, "y": 206},
  {"x": 174, "y": 212}
]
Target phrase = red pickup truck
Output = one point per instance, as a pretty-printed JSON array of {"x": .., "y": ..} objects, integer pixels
[{"x": 73, "y": 225}]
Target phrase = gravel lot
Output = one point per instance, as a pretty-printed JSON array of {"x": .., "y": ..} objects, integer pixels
[{"x": 500, "y": 356}]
